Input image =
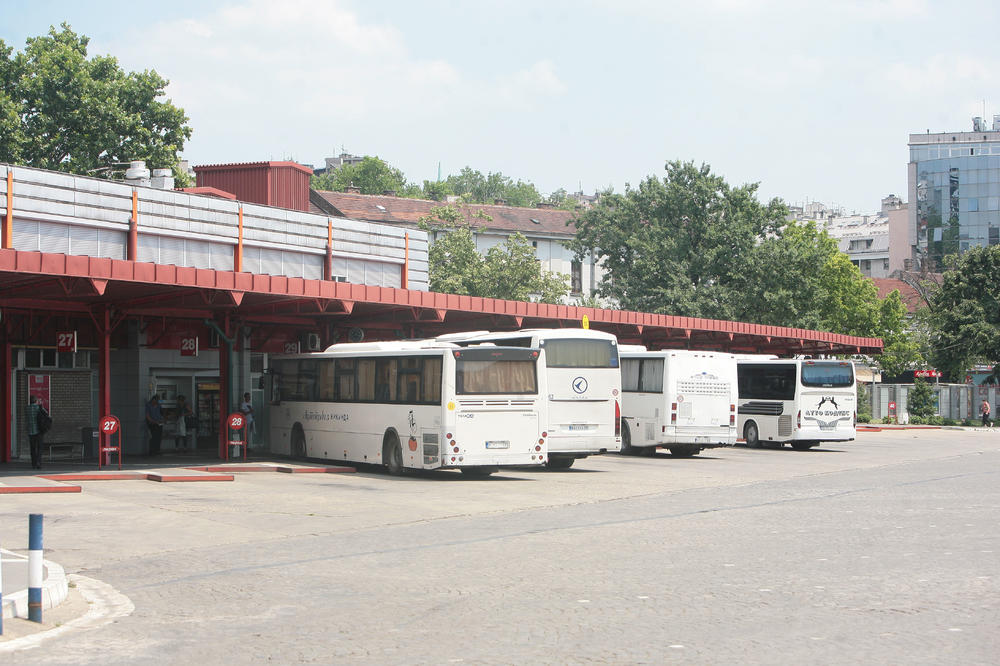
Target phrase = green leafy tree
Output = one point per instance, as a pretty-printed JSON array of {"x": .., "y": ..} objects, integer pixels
[
  {"x": 920, "y": 401},
  {"x": 436, "y": 190},
  {"x": 474, "y": 187},
  {"x": 864, "y": 404},
  {"x": 965, "y": 312},
  {"x": 60, "y": 110},
  {"x": 508, "y": 270},
  {"x": 681, "y": 244},
  {"x": 372, "y": 176}
]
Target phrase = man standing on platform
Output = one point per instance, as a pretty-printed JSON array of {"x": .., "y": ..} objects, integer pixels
[{"x": 154, "y": 421}]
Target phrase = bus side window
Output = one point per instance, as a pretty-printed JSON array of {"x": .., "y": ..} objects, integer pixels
[
  {"x": 385, "y": 380},
  {"x": 409, "y": 379}
]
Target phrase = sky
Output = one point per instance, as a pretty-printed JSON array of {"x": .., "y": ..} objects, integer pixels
[{"x": 812, "y": 100}]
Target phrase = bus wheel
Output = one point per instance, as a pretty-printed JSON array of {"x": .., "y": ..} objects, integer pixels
[
  {"x": 803, "y": 446},
  {"x": 298, "y": 443},
  {"x": 751, "y": 435},
  {"x": 626, "y": 449},
  {"x": 685, "y": 451},
  {"x": 478, "y": 472},
  {"x": 392, "y": 454},
  {"x": 561, "y": 463}
]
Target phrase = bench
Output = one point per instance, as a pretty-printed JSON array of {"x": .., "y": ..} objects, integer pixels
[{"x": 68, "y": 449}]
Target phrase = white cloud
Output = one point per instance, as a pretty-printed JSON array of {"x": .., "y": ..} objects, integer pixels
[{"x": 300, "y": 72}]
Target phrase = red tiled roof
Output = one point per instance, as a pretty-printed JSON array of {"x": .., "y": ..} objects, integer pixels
[
  {"x": 911, "y": 297},
  {"x": 407, "y": 212},
  {"x": 252, "y": 165}
]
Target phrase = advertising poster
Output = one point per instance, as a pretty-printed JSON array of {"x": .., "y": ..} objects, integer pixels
[{"x": 38, "y": 386}]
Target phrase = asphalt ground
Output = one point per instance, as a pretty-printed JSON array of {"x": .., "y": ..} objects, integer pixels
[{"x": 885, "y": 550}]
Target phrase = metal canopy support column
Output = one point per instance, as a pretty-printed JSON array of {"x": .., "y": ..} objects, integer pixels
[
  {"x": 226, "y": 383},
  {"x": 6, "y": 441},
  {"x": 104, "y": 364}
]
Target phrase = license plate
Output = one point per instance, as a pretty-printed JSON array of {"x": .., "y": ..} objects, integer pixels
[
  {"x": 577, "y": 427},
  {"x": 498, "y": 444},
  {"x": 700, "y": 440}
]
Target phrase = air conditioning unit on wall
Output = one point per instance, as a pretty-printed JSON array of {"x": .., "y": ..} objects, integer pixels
[{"x": 312, "y": 342}]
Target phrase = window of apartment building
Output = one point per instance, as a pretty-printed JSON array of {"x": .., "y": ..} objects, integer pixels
[
  {"x": 885, "y": 264},
  {"x": 576, "y": 277},
  {"x": 994, "y": 235},
  {"x": 862, "y": 244},
  {"x": 866, "y": 266}
]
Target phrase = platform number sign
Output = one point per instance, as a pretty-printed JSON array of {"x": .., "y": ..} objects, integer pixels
[
  {"x": 66, "y": 341},
  {"x": 236, "y": 421},
  {"x": 189, "y": 345},
  {"x": 109, "y": 425},
  {"x": 292, "y": 348}
]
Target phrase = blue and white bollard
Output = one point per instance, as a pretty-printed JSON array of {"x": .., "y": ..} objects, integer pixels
[{"x": 35, "y": 567}]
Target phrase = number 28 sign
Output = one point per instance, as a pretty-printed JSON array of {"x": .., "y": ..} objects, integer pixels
[{"x": 236, "y": 421}]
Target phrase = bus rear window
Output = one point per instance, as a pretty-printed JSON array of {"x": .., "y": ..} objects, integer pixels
[
  {"x": 572, "y": 353},
  {"x": 494, "y": 377},
  {"x": 827, "y": 374}
]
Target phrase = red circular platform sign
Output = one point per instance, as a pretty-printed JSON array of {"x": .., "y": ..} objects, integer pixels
[
  {"x": 236, "y": 421},
  {"x": 109, "y": 425}
]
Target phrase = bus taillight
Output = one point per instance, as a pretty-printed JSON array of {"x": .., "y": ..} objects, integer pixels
[
  {"x": 618, "y": 419},
  {"x": 732, "y": 414},
  {"x": 798, "y": 421}
]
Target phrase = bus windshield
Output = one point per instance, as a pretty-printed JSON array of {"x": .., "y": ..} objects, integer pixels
[
  {"x": 827, "y": 374},
  {"x": 574, "y": 353},
  {"x": 495, "y": 371}
]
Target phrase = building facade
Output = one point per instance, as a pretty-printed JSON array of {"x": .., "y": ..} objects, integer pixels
[
  {"x": 547, "y": 229},
  {"x": 954, "y": 185}
]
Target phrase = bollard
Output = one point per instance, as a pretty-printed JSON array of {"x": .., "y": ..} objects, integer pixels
[{"x": 35, "y": 567}]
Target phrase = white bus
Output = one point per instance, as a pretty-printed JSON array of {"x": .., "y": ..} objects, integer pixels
[
  {"x": 800, "y": 401},
  {"x": 581, "y": 382},
  {"x": 410, "y": 405},
  {"x": 682, "y": 400}
]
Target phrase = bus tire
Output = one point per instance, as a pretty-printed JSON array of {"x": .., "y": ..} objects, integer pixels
[
  {"x": 685, "y": 451},
  {"x": 479, "y": 472},
  {"x": 392, "y": 454},
  {"x": 803, "y": 446},
  {"x": 298, "y": 443},
  {"x": 752, "y": 435},
  {"x": 627, "y": 449},
  {"x": 561, "y": 462}
]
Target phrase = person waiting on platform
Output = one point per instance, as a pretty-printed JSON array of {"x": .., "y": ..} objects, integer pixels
[
  {"x": 247, "y": 410},
  {"x": 186, "y": 424},
  {"x": 154, "y": 421}
]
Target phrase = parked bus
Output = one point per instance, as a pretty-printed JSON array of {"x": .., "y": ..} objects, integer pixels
[
  {"x": 410, "y": 405},
  {"x": 581, "y": 381},
  {"x": 799, "y": 401},
  {"x": 682, "y": 400}
]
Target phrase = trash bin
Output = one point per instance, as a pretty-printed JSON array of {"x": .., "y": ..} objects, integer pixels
[{"x": 89, "y": 436}]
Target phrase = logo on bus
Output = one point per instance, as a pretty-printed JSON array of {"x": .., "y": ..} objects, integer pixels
[
  {"x": 580, "y": 385},
  {"x": 827, "y": 399}
]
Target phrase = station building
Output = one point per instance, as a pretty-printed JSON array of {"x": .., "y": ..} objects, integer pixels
[{"x": 113, "y": 292}]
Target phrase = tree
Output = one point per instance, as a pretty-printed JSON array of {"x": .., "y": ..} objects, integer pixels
[
  {"x": 372, "y": 176},
  {"x": 920, "y": 402},
  {"x": 474, "y": 187},
  {"x": 680, "y": 245},
  {"x": 509, "y": 270},
  {"x": 436, "y": 190},
  {"x": 965, "y": 312},
  {"x": 60, "y": 110}
]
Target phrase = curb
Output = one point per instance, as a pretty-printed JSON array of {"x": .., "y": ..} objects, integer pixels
[{"x": 54, "y": 591}]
